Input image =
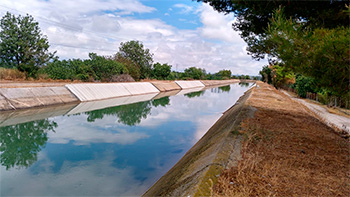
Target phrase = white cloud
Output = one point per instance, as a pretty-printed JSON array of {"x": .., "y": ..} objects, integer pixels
[
  {"x": 89, "y": 133},
  {"x": 75, "y": 28},
  {"x": 184, "y": 9},
  {"x": 85, "y": 178}
]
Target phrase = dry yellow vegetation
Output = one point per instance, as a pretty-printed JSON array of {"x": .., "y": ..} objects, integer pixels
[{"x": 287, "y": 152}]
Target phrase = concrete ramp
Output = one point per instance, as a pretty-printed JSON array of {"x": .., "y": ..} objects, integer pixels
[
  {"x": 92, "y": 92},
  {"x": 166, "y": 86},
  {"x": 166, "y": 94},
  {"x": 219, "y": 82},
  {"x": 140, "y": 88},
  {"x": 5, "y": 104},
  {"x": 36, "y": 96},
  {"x": 189, "y": 84},
  {"x": 101, "y": 104}
]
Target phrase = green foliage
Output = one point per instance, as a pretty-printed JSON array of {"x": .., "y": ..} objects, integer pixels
[
  {"x": 131, "y": 114},
  {"x": 105, "y": 69},
  {"x": 194, "y": 94},
  {"x": 225, "y": 88},
  {"x": 194, "y": 73},
  {"x": 22, "y": 45},
  {"x": 61, "y": 69},
  {"x": 243, "y": 84},
  {"x": 224, "y": 74},
  {"x": 304, "y": 84},
  {"x": 281, "y": 75},
  {"x": 322, "y": 54},
  {"x": 161, "y": 102},
  {"x": 21, "y": 143},
  {"x": 161, "y": 71},
  {"x": 135, "y": 52},
  {"x": 133, "y": 69},
  {"x": 253, "y": 17},
  {"x": 98, "y": 68},
  {"x": 171, "y": 76}
]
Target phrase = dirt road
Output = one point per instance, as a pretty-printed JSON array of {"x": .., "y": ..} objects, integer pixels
[{"x": 287, "y": 152}]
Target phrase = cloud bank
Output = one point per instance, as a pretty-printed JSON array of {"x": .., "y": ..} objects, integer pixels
[{"x": 75, "y": 28}]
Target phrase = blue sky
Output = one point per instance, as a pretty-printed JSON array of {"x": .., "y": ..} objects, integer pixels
[
  {"x": 178, "y": 13},
  {"x": 182, "y": 33}
]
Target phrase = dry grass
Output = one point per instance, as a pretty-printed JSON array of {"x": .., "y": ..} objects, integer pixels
[
  {"x": 287, "y": 152},
  {"x": 11, "y": 74}
]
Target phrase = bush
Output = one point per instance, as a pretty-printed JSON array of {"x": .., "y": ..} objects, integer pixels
[
  {"x": 11, "y": 74},
  {"x": 161, "y": 71},
  {"x": 105, "y": 68},
  {"x": 303, "y": 85}
]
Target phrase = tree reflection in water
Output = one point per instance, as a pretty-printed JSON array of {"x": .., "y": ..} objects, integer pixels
[
  {"x": 128, "y": 114},
  {"x": 20, "y": 144},
  {"x": 161, "y": 102},
  {"x": 243, "y": 84},
  {"x": 195, "y": 94},
  {"x": 225, "y": 88}
]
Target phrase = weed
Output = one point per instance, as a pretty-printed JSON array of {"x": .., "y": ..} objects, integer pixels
[{"x": 11, "y": 74}]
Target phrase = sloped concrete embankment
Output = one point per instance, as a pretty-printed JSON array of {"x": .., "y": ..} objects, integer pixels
[
  {"x": 219, "y": 82},
  {"x": 199, "y": 168},
  {"x": 19, "y": 98},
  {"x": 12, "y": 98}
]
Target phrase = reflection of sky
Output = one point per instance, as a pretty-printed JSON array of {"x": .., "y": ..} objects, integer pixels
[{"x": 106, "y": 157}]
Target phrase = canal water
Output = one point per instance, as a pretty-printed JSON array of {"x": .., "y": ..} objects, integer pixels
[{"x": 116, "y": 151}]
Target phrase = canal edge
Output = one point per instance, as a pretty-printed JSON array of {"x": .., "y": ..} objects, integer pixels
[{"x": 220, "y": 148}]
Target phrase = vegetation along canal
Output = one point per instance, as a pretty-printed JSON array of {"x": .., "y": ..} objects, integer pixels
[{"x": 116, "y": 151}]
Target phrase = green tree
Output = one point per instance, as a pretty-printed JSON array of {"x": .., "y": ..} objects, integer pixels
[
  {"x": 304, "y": 84},
  {"x": 105, "y": 69},
  {"x": 142, "y": 57},
  {"x": 161, "y": 71},
  {"x": 133, "y": 69},
  {"x": 22, "y": 45},
  {"x": 322, "y": 54},
  {"x": 281, "y": 75},
  {"x": 224, "y": 74},
  {"x": 266, "y": 74},
  {"x": 194, "y": 73},
  {"x": 253, "y": 17},
  {"x": 20, "y": 144}
]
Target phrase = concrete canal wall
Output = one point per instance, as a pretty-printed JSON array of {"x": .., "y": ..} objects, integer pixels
[
  {"x": 189, "y": 84},
  {"x": 19, "y": 98},
  {"x": 13, "y": 97},
  {"x": 197, "y": 170}
]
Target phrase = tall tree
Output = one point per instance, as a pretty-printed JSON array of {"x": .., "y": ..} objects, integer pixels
[
  {"x": 22, "y": 45},
  {"x": 253, "y": 17},
  {"x": 320, "y": 53},
  {"x": 135, "y": 51}
]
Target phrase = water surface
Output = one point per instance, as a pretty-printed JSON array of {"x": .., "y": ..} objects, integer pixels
[{"x": 116, "y": 151}]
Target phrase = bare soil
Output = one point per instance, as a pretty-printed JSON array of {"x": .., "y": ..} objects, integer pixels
[{"x": 287, "y": 152}]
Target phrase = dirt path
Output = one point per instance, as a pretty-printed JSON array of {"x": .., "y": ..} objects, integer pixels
[
  {"x": 287, "y": 152},
  {"x": 331, "y": 119}
]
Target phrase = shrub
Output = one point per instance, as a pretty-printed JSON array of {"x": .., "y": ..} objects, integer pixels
[{"x": 11, "y": 74}]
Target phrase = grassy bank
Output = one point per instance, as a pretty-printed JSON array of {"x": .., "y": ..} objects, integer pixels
[{"x": 286, "y": 152}]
